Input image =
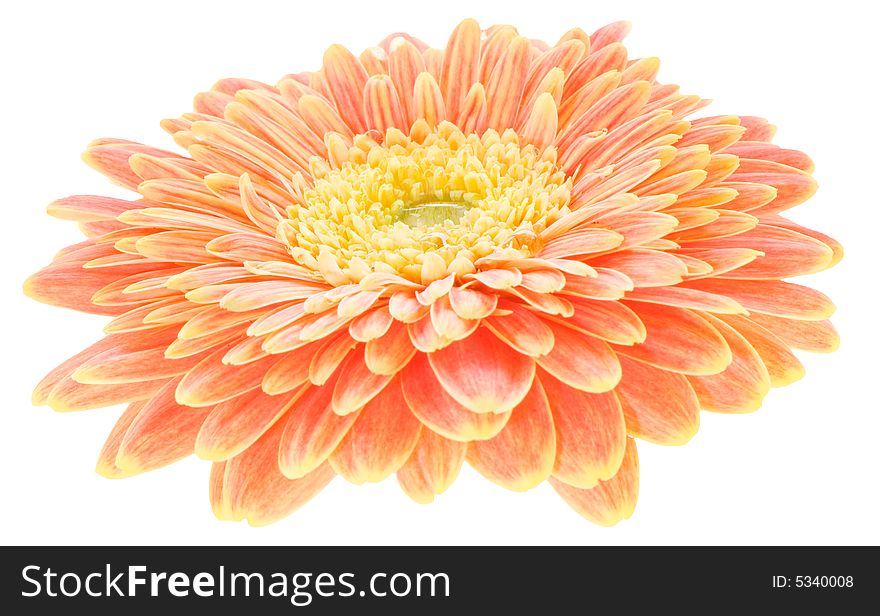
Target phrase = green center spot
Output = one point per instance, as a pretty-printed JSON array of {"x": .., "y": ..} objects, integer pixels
[{"x": 429, "y": 214}]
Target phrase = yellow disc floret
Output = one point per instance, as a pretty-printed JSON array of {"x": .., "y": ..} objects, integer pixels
[{"x": 427, "y": 205}]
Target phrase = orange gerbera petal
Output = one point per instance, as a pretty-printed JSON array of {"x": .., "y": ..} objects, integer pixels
[
  {"x": 380, "y": 440},
  {"x": 609, "y": 501},
  {"x": 162, "y": 432},
  {"x": 658, "y": 405},
  {"x": 432, "y": 467},
  {"x": 479, "y": 374},
  {"x": 254, "y": 489},
  {"x": 522, "y": 455},
  {"x": 503, "y": 250},
  {"x": 590, "y": 433}
]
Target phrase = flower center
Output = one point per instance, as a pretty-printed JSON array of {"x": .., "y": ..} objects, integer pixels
[{"x": 428, "y": 205}]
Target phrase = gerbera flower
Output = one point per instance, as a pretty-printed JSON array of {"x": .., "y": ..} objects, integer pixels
[{"x": 516, "y": 254}]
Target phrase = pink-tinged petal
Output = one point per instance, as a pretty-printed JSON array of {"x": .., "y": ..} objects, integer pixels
[
  {"x": 110, "y": 157},
  {"x": 543, "y": 281},
  {"x": 380, "y": 441},
  {"x": 129, "y": 341},
  {"x": 590, "y": 433},
  {"x": 815, "y": 336},
  {"x": 67, "y": 284},
  {"x": 346, "y": 78},
  {"x": 611, "y": 321},
  {"x": 793, "y": 186},
  {"x": 311, "y": 431},
  {"x": 163, "y": 432},
  {"x": 68, "y": 395},
  {"x": 213, "y": 320},
  {"x": 786, "y": 253},
  {"x": 767, "y": 151},
  {"x": 472, "y": 115},
  {"x": 741, "y": 387},
  {"x": 177, "y": 246},
  {"x": 118, "y": 365},
  {"x": 607, "y": 284},
  {"x": 715, "y": 261},
  {"x": 320, "y": 116},
  {"x": 541, "y": 123},
  {"x": 234, "y": 425},
  {"x": 505, "y": 86},
  {"x": 261, "y": 213},
  {"x": 254, "y": 489},
  {"x": 461, "y": 64},
  {"x": 428, "y": 104},
  {"x": 678, "y": 340},
  {"x": 548, "y": 303},
  {"x": 329, "y": 357},
  {"x": 728, "y": 223},
  {"x": 211, "y": 381},
  {"x": 561, "y": 58},
  {"x": 500, "y": 278},
  {"x": 581, "y": 361},
  {"x": 439, "y": 412},
  {"x": 448, "y": 324},
  {"x": 610, "y": 501},
  {"x": 522, "y": 455},
  {"x": 181, "y": 348},
  {"x": 757, "y": 129},
  {"x": 611, "y": 110},
  {"x": 106, "y": 466},
  {"x": 391, "y": 352},
  {"x": 685, "y": 298},
  {"x": 834, "y": 245},
  {"x": 382, "y": 107},
  {"x": 357, "y": 384},
  {"x": 404, "y": 307},
  {"x": 607, "y": 35},
  {"x": 646, "y": 268},
  {"x": 472, "y": 304},
  {"x": 423, "y": 336},
  {"x": 371, "y": 325},
  {"x": 219, "y": 505},
  {"x": 291, "y": 371},
  {"x": 773, "y": 297},
  {"x": 600, "y": 61},
  {"x": 523, "y": 330},
  {"x": 495, "y": 41},
  {"x": 481, "y": 374},
  {"x": 659, "y": 406},
  {"x": 782, "y": 365},
  {"x": 750, "y": 195},
  {"x": 437, "y": 287},
  {"x": 89, "y": 208},
  {"x": 432, "y": 467},
  {"x": 404, "y": 65}
]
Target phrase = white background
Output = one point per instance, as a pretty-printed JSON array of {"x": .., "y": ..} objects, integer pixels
[{"x": 802, "y": 470}]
